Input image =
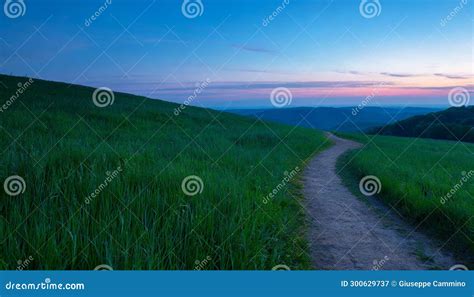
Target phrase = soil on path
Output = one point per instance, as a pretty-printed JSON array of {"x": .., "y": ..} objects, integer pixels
[{"x": 347, "y": 233}]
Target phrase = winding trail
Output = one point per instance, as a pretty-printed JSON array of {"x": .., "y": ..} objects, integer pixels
[{"x": 348, "y": 234}]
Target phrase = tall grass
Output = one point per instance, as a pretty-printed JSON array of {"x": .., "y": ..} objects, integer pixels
[
  {"x": 65, "y": 147},
  {"x": 416, "y": 177}
]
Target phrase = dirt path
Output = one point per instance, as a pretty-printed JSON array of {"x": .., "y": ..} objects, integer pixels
[{"x": 347, "y": 233}]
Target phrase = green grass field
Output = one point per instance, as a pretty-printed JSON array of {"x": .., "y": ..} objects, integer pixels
[
  {"x": 134, "y": 155},
  {"x": 416, "y": 177}
]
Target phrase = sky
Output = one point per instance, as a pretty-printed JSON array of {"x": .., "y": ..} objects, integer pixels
[{"x": 236, "y": 54}]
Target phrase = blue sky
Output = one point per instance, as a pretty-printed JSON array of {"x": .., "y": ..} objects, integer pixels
[{"x": 324, "y": 52}]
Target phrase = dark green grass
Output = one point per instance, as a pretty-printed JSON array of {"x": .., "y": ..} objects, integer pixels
[
  {"x": 416, "y": 174},
  {"x": 455, "y": 123},
  {"x": 64, "y": 147}
]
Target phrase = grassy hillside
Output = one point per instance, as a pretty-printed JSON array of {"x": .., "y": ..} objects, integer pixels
[
  {"x": 344, "y": 119},
  {"x": 104, "y": 185},
  {"x": 455, "y": 123},
  {"x": 429, "y": 181}
]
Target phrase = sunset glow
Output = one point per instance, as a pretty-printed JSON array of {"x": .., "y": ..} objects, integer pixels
[{"x": 325, "y": 52}]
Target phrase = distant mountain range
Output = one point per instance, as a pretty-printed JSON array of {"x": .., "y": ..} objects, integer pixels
[
  {"x": 343, "y": 119},
  {"x": 456, "y": 123}
]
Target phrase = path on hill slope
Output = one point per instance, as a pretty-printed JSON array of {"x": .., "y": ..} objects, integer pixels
[{"x": 347, "y": 233}]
